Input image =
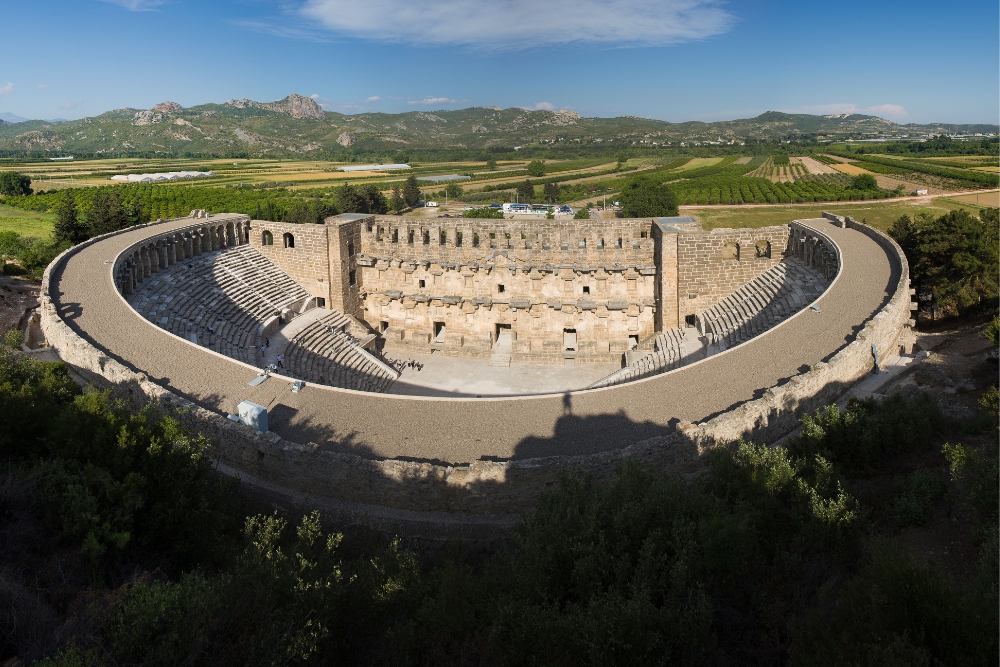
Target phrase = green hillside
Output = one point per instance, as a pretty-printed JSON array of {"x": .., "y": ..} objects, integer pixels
[{"x": 298, "y": 127}]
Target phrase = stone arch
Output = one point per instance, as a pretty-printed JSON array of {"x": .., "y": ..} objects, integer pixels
[
  {"x": 266, "y": 238},
  {"x": 288, "y": 240},
  {"x": 762, "y": 248},
  {"x": 231, "y": 234}
]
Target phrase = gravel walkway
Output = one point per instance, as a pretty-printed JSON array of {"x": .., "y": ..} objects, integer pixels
[{"x": 449, "y": 430}]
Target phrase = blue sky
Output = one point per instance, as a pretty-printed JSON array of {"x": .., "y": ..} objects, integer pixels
[{"x": 670, "y": 59}]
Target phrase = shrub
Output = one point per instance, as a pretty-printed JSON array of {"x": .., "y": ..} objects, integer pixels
[
  {"x": 868, "y": 431},
  {"x": 582, "y": 214}
]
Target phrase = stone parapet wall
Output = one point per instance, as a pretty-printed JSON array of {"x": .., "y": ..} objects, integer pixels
[
  {"x": 713, "y": 265},
  {"x": 778, "y": 411},
  {"x": 307, "y": 262},
  {"x": 480, "y": 499}
]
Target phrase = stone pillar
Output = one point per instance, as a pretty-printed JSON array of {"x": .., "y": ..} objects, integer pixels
[{"x": 195, "y": 242}]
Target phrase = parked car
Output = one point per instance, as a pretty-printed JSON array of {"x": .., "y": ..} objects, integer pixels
[{"x": 431, "y": 204}]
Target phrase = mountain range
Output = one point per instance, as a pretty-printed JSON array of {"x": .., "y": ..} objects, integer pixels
[{"x": 297, "y": 126}]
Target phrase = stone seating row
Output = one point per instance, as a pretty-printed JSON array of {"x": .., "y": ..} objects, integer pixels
[
  {"x": 665, "y": 356},
  {"x": 325, "y": 352},
  {"x": 762, "y": 303},
  {"x": 233, "y": 291}
]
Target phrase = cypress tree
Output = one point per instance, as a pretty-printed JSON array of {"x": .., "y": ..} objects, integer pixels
[{"x": 68, "y": 227}]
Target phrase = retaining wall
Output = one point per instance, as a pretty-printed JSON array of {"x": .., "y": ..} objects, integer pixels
[{"x": 479, "y": 500}]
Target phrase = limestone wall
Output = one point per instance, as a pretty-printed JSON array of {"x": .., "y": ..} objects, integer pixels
[
  {"x": 307, "y": 263},
  {"x": 713, "y": 265},
  {"x": 778, "y": 411},
  {"x": 480, "y": 499}
]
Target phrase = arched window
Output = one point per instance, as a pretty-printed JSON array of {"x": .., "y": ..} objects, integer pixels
[
  {"x": 288, "y": 239},
  {"x": 267, "y": 238}
]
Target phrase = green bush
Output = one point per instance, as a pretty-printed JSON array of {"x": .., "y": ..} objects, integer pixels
[
  {"x": 582, "y": 214},
  {"x": 917, "y": 493},
  {"x": 868, "y": 431}
]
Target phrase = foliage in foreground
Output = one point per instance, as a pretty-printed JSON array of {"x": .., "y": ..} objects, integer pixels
[
  {"x": 761, "y": 559},
  {"x": 953, "y": 259}
]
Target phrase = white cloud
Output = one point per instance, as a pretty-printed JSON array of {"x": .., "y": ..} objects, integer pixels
[
  {"x": 43, "y": 86},
  {"x": 373, "y": 98},
  {"x": 433, "y": 100},
  {"x": 544, "y": 106},
  {"x": 523, "y": 24},
  {"x": 281, "y": 28},
  {"x": 890, "y": 111},
  {"x": 894, "y": 111},
  {"x": 6, "y": 89},
  {"x": 138, "y": 5}
]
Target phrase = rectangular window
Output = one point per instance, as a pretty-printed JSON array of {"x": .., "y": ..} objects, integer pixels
[
  {"x": 395, "y": 236},
  {"x": 320, "y": 302},
  {"x": 500, "y": 289},
  {"x": 586, "y": 289},
  {"x": 409, "y": 237},
  {"x": 427, "y": 238},
  {"x": 444, "y": 238},
  {"x": 458, "y": 239},
  {"x": 350, "y": 248},
  {"x": 422, "y": 283},
  {"x": 689, "y": 320},
  {"x": 352, "y": 278},
  {"x": 384, "y": 325},
  {"x": 475, "y": 240}
]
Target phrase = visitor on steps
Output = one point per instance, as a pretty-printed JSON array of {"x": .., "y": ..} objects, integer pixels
[{"x": 280, "y": 365}]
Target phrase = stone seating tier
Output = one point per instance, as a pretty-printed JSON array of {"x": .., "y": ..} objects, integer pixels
[
  {"x": 326, "y": 349},
  {"x": 233, "y": 291},
  {"x": 757, "y": 306}
]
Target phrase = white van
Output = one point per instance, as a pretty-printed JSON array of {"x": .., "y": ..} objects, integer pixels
[{"x": 431, "y": 204}]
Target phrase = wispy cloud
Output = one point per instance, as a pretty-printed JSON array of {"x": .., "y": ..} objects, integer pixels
[
  {"x": 543, "y": 106},
  {"x": 6, "y": 89},
  {"x": 433, "y": 100},
  {"x": 344, "y": 107},
  {"x": 523, "y": 24},
  {"x": 43, "y": 86},
  {"x": 71, "y": 105},
  {"x": 282, "y": 27},
  {"x": 891, "y": 111},
  {"x": 138, "y": 5}
]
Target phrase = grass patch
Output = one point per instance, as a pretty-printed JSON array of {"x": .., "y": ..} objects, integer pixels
[
  {"x": 877, "y": 214},
  {"x": 26, "y": 223}
]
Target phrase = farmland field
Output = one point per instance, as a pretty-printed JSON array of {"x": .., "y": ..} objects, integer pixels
[
  {"x": 26, "y": 223},
  {"x": 850, "y": 169},
  {"x": 877, "y": 214}
]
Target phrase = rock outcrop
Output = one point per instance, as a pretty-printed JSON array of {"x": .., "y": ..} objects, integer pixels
[
  {"x": 296, "y": 106},
  {"x": 346, "y": 139},
  {"x": 168, "y": 107}
]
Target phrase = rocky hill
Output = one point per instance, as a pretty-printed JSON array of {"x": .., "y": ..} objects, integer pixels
[{"x": 298, "y": 126}]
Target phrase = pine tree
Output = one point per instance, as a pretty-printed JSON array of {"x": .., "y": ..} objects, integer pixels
[
  {"x": 411, "y": 191},
  {"x": 397, "y": 199},
  {"x": 68, "y": 227}
]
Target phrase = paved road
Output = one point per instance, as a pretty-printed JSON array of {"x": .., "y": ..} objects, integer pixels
[{"x": 449, "y": 430}]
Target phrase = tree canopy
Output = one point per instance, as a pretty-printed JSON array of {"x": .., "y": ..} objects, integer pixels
[
  {"x": 864, "y": 182},
  {"x": 536, "y": 168},
  {"x": 411, "y": 191},
  {"x": 525, "y": 192},
  {"x": 14, "y": 184},
  {"x": 362, "y": 199},
  {"x": 953, "y": 258},
  {"x": 68, "y": 226},
  {"x": 645, "y": 198}
]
